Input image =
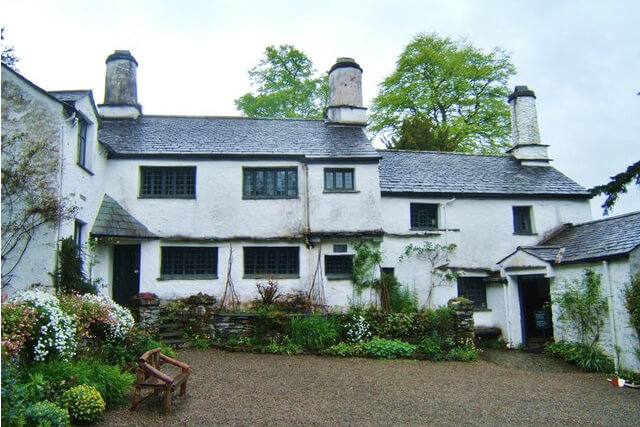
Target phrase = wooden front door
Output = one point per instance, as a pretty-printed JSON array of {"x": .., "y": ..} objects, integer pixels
[{"x": 126, "y": 273}]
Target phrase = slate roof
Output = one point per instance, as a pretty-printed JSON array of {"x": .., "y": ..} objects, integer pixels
[
  {"x": 114, "y": 221},
  {"x": 604, "y": 238},
  {"x": 179, "y": 135},
  {"x": 69, "y": 95},
  {"x": 427, "y": 172}
]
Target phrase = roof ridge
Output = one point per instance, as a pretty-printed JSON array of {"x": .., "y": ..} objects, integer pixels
[
  {"x": 593, "y": 221},
  {"x": 184, "y": 116},
  {"x": 457, "y": 153}
]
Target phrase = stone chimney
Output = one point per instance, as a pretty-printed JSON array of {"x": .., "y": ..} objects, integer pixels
[
  {"x": 121, "y": 87},
  {"x": 345, "y": 94},
  {"x": 525, "y": 135}
]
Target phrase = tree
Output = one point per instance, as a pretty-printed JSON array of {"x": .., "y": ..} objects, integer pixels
[
  {"x": 286, "y": 86},
  {"x": 461, "y": 89},
  {"x": 617, "y": 186},
  {"x": 418, "y": 133},
  {"x": 8, "y": 54}
]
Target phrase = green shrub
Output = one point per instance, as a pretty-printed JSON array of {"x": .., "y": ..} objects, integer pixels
[
  {"x": 398, "y": 326},
  {"x": 431, "y": 347},
  {"x": 127, "y": 351},
  {"x": 83, "y": 402},
  {"x": 112, "y": 384},
  {"x": 402, "y": 299},
  {"x": 632, "y": 300},
  {"x": 46, "y": 414},
  {"x": 13, "y": 395},
  {"x": 589, "y": 358},
  {"x": 380, "y": 348},
  {"x": 465, "y": 353},
  {"x": 344, "y": 349},
  {"x": 282, "y": 345},
  {"x": 314, "y": 332},
  {"x": 201, "y": 341}
]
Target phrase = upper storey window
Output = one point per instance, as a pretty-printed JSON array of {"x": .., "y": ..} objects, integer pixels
[
  {"x": 81, "y": 154},
  {"x": 338, "y": 180},
  {"x": 522, "y": 223},
  {"x": 424, "y": 216},
  {"x": 168, "y": 182},
  {"x": 270, "y": 183}
]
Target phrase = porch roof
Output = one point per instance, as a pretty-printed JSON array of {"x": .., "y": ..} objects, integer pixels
[{"x": 114, "y": 221}]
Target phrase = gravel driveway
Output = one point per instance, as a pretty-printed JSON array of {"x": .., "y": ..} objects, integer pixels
[{"x": 505, "y": 388}]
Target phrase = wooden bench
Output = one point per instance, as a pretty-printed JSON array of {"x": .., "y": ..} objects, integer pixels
[{"x": 149, "y": 377}]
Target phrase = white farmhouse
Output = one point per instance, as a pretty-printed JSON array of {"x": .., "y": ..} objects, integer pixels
[{"x": 181, "y": 205}]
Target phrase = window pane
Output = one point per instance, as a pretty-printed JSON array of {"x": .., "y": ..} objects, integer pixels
[
  {"x": 168, "y": 181},
  {"x": 474, "y": 289},
  {"x": 266, "y": 261},
  {"x": 189, "y": 262},
  {"x": 424, "y": 215}
]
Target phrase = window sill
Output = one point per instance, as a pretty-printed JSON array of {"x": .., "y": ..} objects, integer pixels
[
  {"x": 339, "y": 276},
  {"x": 271, "y": 276},
  {"x": 84, "y": 169},
  {"x": 525, "y": 234},
  {"x": 269, "y": 198},
  {"x": 168, "y": 197},
  {"x": 481, "y": 309},
  {"x": 188, "y": 277},
  {"x": 340, "y": 191}
]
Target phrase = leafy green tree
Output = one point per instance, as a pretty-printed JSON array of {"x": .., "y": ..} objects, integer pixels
[
  {"x": 286, "y": 86},
  {"x": 617, "y": 186},
  {"x": 418, "y": 133},
  {"x": 461, "y": 89}
]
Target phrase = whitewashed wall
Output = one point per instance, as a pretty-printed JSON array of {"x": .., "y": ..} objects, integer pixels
[{"x": 618, "y": 273}]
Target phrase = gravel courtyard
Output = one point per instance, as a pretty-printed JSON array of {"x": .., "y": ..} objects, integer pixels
[{"x": 505, "y": 388}]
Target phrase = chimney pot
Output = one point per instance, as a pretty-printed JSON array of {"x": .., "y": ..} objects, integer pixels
[
  {"x": 121, "y": 87},
  {"x": 525, "y": 135},
  {"x": 345, "y": 93}
]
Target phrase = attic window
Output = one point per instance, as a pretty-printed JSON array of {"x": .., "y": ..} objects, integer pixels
[
  {"x": 168, "y": 182},
  {"x": 522, "y": 223}
]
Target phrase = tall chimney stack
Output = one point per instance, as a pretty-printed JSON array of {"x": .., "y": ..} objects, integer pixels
[
  {"x": 345, "y": 94},
  {"x": 121, "y": 87},
  {"x": 525, "y": 135}
]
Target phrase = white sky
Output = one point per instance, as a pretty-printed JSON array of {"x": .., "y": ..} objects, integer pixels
[{"x": 582, "y": 58}]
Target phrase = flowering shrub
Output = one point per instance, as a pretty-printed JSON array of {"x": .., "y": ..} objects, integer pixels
[
  {"x": 54, "y": 331},
  {"x": 357, "y": 329},
  {"x": 98, "y": 316},
  {"x": 18, "y": 321},
  {"x": 83, "y": 402},
  {"x": 46, "y": 414}
]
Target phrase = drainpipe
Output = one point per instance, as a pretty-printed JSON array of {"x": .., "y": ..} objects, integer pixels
[
  {"x": 612, "y": 316},
  {"x": 307, "y": 219},
  {"x": 444, "y": 217}
]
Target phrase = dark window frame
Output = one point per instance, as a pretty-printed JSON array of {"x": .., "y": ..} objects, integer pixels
[
  {"x": 475, "y": 289},
  {"x": 81, "y": 148},
  {"x": 424, "y": 216},
  {"x": 270, "y": 185},
  {"x": 168, "y": 182},
  {"x": 334, "y": 185},
  {"x": 278, "y": 262},
  {"x": 338, "y": 266},
  {"x": 188, "y": 262},
  {"x": 523, "y": 220},
  {"x": 78, "y": 234}
]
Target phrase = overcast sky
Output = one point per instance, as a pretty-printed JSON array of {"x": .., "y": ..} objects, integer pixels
[{"x": 582, "y": 58}]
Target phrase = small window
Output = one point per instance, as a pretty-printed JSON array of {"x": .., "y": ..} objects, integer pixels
[
  {"x": 522, "y": 220},
  {"x": 474, "y": 289},
  {"x": 424, "y": 216},
  {"x": 81, "y": 155},
  {"x": 180, "y": 262},
  {"x": 339, "y": 248},
  {"x": 78, "y": 234},
  {"x": 277, "y": 262},
  {"x": 338, "y": 180},
  {"x": 338, "y": 266},
  {"x": 168, "y": 182},
  {"x": 270, "y": 183}
]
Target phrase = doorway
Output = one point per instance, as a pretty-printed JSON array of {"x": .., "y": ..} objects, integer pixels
[
  {"x": 535, "y": 310},
  {"x": 126, "y": 273}
]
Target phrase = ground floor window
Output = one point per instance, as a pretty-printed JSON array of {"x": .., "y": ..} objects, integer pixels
[
  {"x": 338, "y": 266},
  {"x": 474, "y": 289},
  {"x": 271, "y": 261},
  {"x": 186, "y": 262}
]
